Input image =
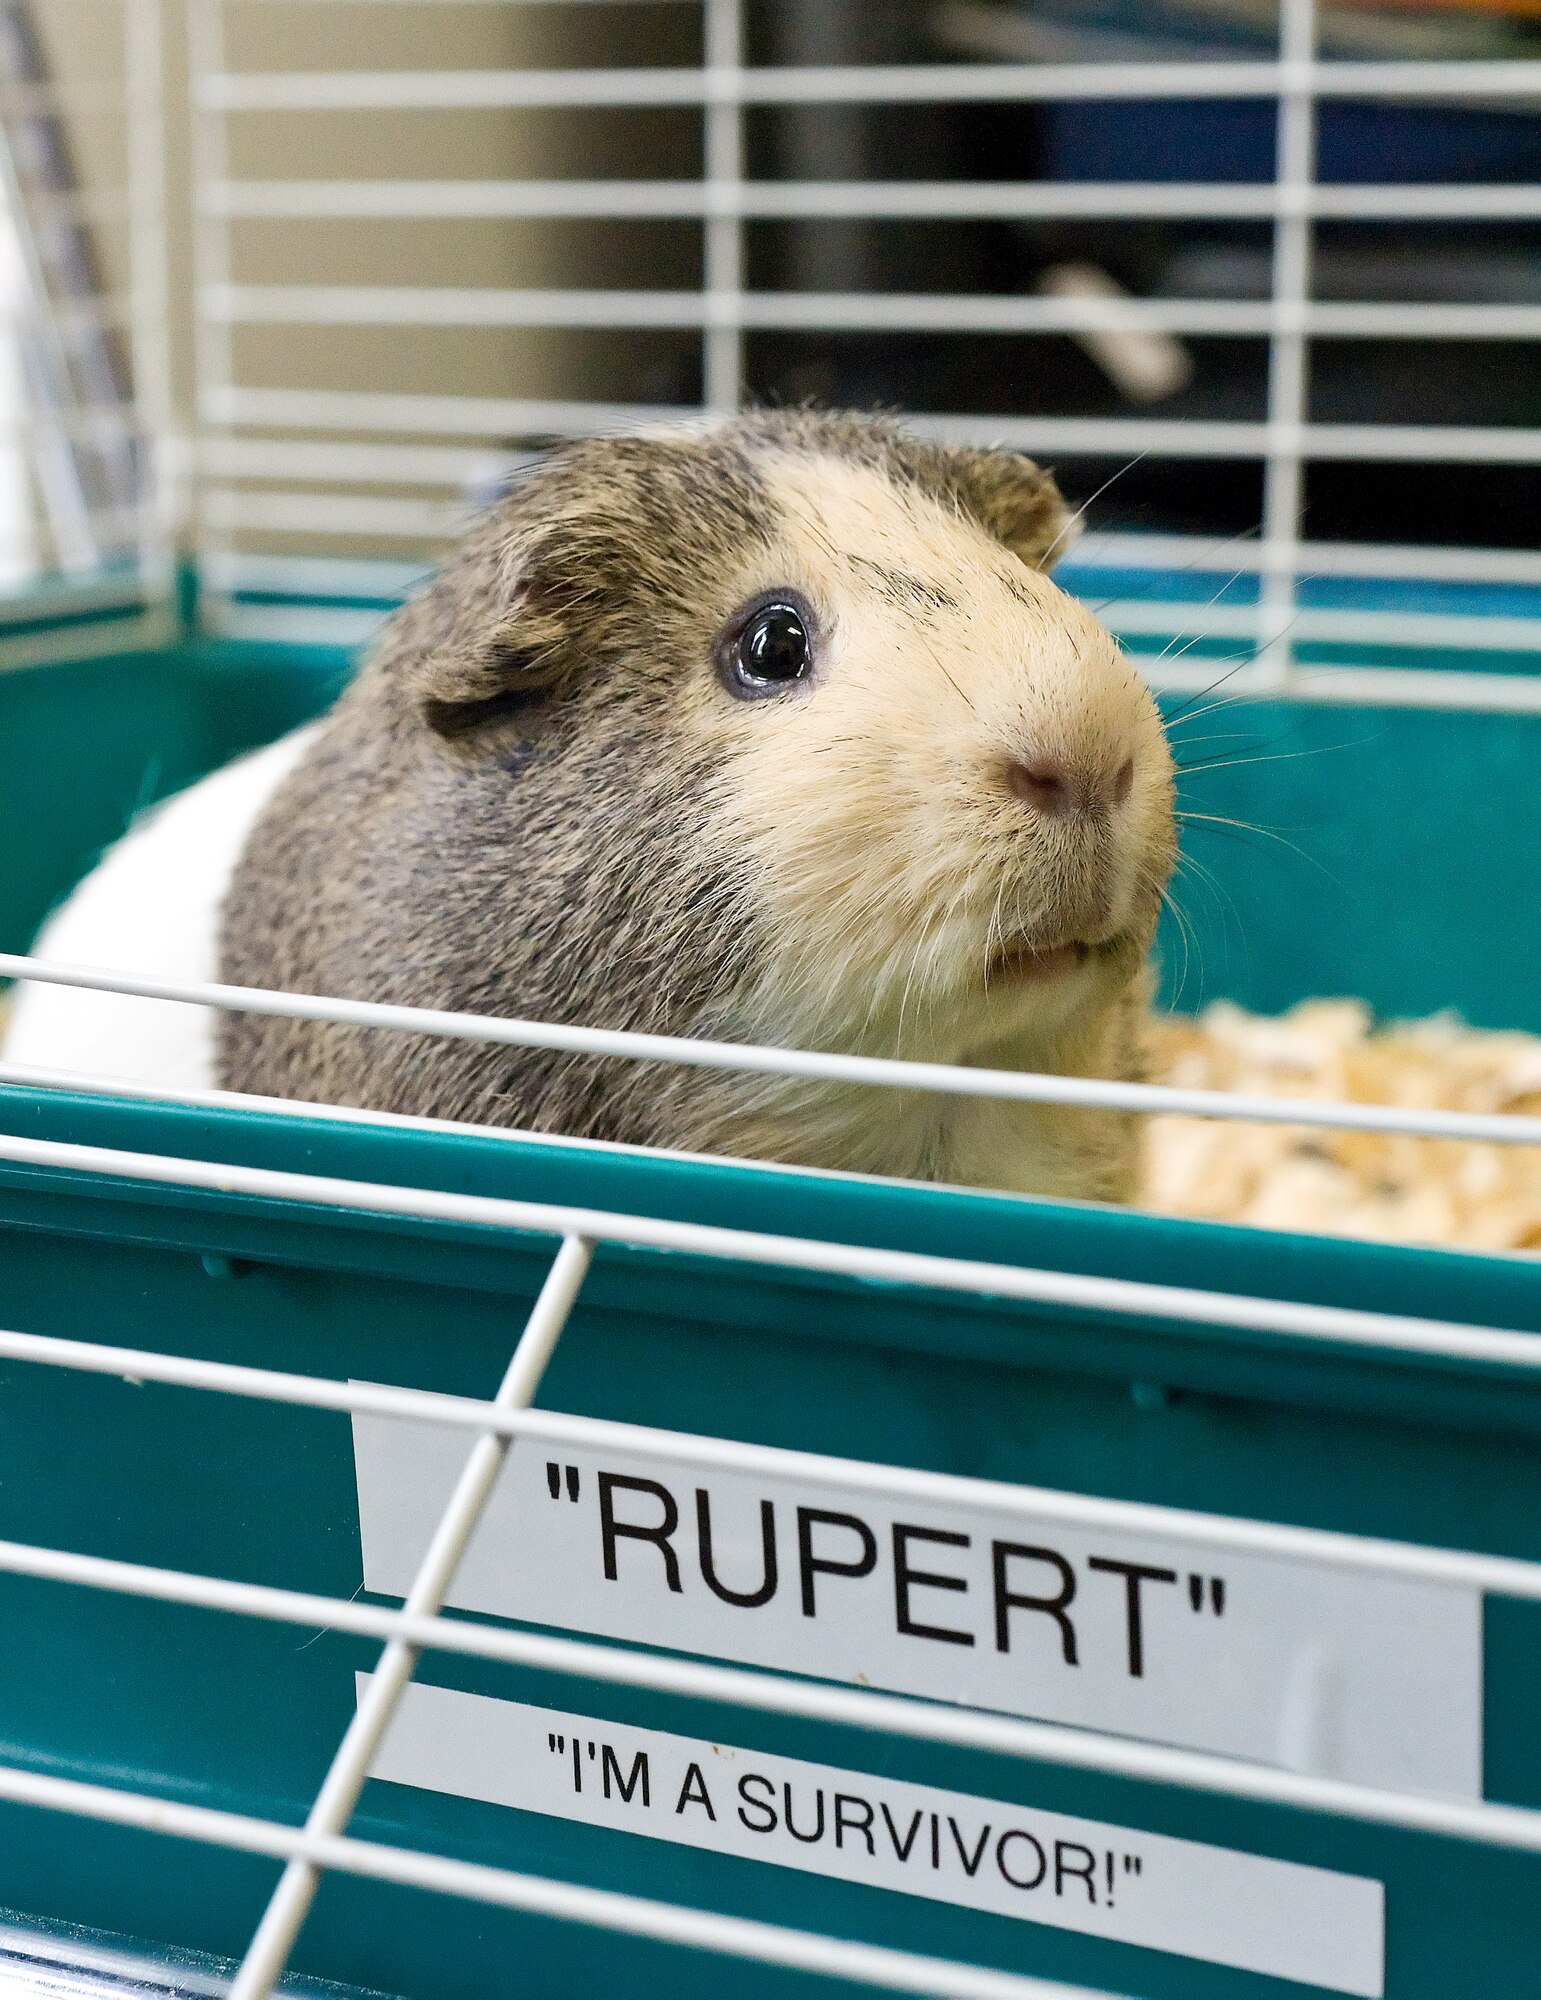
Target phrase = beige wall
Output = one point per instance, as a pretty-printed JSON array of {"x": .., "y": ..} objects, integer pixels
[{"x": 83, "y": 38}]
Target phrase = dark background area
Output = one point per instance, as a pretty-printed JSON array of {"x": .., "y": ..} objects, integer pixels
[{"x": 1487, "y": 383}]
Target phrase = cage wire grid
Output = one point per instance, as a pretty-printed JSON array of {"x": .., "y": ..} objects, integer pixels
[
  {"x": 334, "y": 472},
  {"x": 342, "y": 483},
  {"x": 88, "y": 555},
  {"x": 494, "y": 1425}
]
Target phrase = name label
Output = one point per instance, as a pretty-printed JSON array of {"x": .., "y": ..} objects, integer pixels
[
  {"x": 1343, "y": 1672},
  {"x": 1202, "y": 1902}
]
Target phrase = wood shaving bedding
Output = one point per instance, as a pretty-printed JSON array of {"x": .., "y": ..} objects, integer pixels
[{"x": 1430, "y": 1191}]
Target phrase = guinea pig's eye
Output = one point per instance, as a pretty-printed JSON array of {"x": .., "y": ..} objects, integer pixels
[{"x": 767, "y": 648}]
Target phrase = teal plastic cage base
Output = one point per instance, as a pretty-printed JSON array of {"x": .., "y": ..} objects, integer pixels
[{"x": 1409, "y": 811}]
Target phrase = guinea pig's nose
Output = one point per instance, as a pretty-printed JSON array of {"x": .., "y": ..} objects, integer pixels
[{"x": 1057, "y": 791}]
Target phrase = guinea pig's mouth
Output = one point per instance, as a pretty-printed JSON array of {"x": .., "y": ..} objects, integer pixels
[{"x": 1019, "y": 959}]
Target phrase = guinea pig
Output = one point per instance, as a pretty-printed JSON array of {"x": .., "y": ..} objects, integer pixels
[{"x": 773, "y": 732}]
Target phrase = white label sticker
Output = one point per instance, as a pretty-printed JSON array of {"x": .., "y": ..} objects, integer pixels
[
  {"x": 1344, "y": 1672},
  {"x": 1182, "y": 1896}
]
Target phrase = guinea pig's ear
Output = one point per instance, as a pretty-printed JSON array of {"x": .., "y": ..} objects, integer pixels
[
  {"x": 1014, "y": 500},
  {"x": 487, "y": 670},
  {"x": 493, "y": 674}
]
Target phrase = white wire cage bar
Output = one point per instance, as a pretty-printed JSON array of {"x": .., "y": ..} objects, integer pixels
[
  {"x": 948, "y": 201},
  {"x": 876, "y": 1966},
  {"x": 1501, "y": 1575},
  {"x": 339, "y": 1794},
  {"x": 858, "y": 312},
  {"x": 1330, "y": 1327},
  {"x": 369, "y": 464},
  {"x": 946, "y": 1079},
  {"x": 339, "y": 410},
  {"x": 909, "y": 83},
  {"x": 260, "y": 492}
]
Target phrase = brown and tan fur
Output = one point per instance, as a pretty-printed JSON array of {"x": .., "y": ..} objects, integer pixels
[{"x": 538, "y": 799}]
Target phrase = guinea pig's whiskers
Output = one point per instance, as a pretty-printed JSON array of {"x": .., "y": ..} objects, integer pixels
[
  {"x": 1222, "y": 819},
  {"x": 1221, "y": 736},
  {"x": 1186, "y": 938},
  {"x": 1207, "y": 879},
  {"x": 1268, "y": 754},
  {"x": 1244, "y": 737},
  {"x": 1206, "y": 765},
  {"x": 921, "y": 942},
  {"x": 1202, "y": 873},
  {"x": 1188, "y": 713},
  {"x": 1204, "y": 556},
  {"x": 1242, "y": 827},
  {"x": 1080, "y": 513},
  {"x": 933, "y": 925},
  {"x": 1242, "y": 700},
  {"x": 941, "y": 669},
  {"x": 1183, "y": 718},
  {"x": 1232, "y": 660},
  {"x": 995, "y": 933},
  {"x": 1208, "y": 605}
]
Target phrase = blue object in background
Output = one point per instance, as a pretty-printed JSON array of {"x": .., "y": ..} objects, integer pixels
[{"x": 1209, "y": 140}]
